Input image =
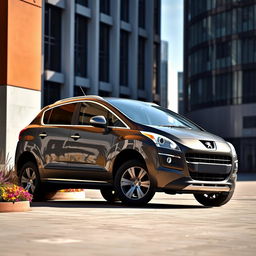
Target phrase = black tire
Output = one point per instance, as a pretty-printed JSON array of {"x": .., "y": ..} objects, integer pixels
[
  {"x": 29, "y": 179},
  {"x": 109, "y": 195},
  {"x": 214, "y": 199},
  {"x": 133, "y": 183}
]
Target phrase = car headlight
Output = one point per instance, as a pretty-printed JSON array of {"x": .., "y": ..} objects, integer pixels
[
  {"x": 161, "y": 141},
  {"x": 232, "y": 149}
]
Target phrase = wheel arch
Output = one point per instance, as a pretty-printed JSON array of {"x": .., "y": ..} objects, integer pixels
[
  {"x": 124, "y": 156},
  {"x": 24, "y": 158}
]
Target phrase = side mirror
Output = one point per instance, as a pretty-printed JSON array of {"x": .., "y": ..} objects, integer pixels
[{"x": 98, "y": 121}]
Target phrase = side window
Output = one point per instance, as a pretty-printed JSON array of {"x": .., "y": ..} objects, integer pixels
[
  {"x": 60, "y": 115},
  {"x": 88, "y": 110}
]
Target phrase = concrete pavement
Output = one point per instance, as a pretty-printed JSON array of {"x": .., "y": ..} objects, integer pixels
[{"x": 169, "y": 225}]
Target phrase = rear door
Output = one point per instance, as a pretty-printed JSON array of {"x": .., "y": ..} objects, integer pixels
[{"x": 54, "y": 137}]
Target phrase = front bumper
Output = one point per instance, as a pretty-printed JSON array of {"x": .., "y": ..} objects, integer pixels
[{"x": 184, "y": 176}]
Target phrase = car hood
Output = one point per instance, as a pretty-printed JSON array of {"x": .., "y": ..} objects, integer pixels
[
  {"x": 184, "y": 133},
  {"x": 192, "y": 138}
]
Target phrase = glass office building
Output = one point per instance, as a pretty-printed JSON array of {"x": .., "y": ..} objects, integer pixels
[
  {"x": 220, "y": 71},
  {"x": 105, "y": 47}
]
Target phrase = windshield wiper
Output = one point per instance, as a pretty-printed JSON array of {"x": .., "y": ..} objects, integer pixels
[{"x": 176, "y": 126}]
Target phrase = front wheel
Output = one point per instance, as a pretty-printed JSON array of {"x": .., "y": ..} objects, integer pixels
[
  {"x": 134, "y": 184},
  {"x": 214, "y": 199}
]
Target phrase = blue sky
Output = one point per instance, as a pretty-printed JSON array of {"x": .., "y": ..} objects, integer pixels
[{"x": 172, "y": 31}]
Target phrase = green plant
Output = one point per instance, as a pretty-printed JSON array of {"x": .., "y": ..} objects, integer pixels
[{"x": 7, "y": 171}]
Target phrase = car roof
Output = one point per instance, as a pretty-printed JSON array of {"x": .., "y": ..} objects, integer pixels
[{"x": 95, "y": 97}]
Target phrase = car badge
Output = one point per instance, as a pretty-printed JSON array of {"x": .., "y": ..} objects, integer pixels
[{"x": 209, "y": 144}]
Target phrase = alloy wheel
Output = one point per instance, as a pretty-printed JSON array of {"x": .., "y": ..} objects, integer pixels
[
  {"x": 135, "y": 183},
  {"x": 28, "y": 180}
]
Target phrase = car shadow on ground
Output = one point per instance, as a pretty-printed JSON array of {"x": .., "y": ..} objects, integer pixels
[{"x": 102, "y": 204}]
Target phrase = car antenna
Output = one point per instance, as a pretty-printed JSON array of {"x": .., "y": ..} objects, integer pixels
[{"x": 82, "y": 91}]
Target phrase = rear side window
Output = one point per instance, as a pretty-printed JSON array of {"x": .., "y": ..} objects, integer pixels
[{"x": 60, "y": 115}]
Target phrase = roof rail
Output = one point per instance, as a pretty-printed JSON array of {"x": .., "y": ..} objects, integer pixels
[{"x": 78, "y": 97}]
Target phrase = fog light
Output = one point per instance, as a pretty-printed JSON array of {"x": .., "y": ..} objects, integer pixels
[{"x": 169, "y": 160}]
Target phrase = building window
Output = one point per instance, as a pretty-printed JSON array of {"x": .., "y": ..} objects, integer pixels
[
  {"x": 141, "y": 63},
  {"x": 104, "y": 53},
  {"x": 104, "y": 93},
  {"x": 124, "y": 57},
  {"x": 79, "y": 91},
  {"x": 105, "y": 6},
  {"x": 51, "y": 92},
  {"x": 82, "y": 2},
  {"x": 157, "y": 17},
  {"x": 52, "y": 38},
  {"x": 142, "y": 13},
  {"x": 249, "y": 122},
  {"x": 80, "y": 46},
  {"x": 156, "y": 68},
  {"x": 249, "y": 88},
  {"x": 125, "y": 10}
]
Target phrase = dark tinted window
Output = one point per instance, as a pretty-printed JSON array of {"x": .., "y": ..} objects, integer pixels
[
  {"x": 124, "y": 57},
  {"x": 249, "y": 122},
  {"x": 125, "y": 10},
  {"x": 60, "y": 115},
  {"x": 141, "y": 63},
  {"x": 51, "y": 92},
  {"x": 150, "y": 114},
  {"x": 80, "y": 46},
  {"x": 82, "y": 2},
  {"x": 142, "y": 13},
  {"x": 52, "y": 38},
  {"x": 105, "y": 6},
  {"x": 104, "y": 53},
  {"x": 88, "y": 110}
]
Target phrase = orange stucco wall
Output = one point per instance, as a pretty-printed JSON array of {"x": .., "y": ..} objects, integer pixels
[{"x": 24, "y": 43}]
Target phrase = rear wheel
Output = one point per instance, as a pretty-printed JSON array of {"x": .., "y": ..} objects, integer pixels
[
  {"x": 109, "y": 195},
  {"x": 30, "y": 180},
  {"x": 133, "y": 184},
  {"x": 214, "y": 199}
]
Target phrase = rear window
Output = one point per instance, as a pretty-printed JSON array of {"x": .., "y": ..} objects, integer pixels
[{"x": 60, "y": 115}]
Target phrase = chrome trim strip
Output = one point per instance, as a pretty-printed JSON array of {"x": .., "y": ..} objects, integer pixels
[
  {"x": 74, "y": 180},
  {"x": 209, "y": 163},
  {"x": 207, "y": 188},
  {"x": 209, "y": 159},
  {"x": 79, "y": 101},
  {"x": 163, "y": 154}
]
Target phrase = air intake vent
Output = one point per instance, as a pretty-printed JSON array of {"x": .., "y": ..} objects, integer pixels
[{"x": 208, "y": 158}]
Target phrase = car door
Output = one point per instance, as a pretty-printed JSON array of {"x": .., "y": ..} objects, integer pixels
[
  {"x": 54, "y": 136},
  {"x": 89, "y": 146}
]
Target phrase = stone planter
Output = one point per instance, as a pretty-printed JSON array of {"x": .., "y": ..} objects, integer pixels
[
  {"x": 22, "y": 206},
  {"x": 73, "y": 195}
]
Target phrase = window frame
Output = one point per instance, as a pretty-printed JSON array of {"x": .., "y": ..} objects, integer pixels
[{"x": 75, "y": 115}]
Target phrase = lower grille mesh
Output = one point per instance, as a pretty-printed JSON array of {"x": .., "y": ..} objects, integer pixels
[{"x": 202, "y": 159}]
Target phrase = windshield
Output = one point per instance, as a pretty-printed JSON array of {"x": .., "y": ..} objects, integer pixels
[{"x": 151, "y": 114}]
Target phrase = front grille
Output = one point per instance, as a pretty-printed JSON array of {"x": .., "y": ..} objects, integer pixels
[
  {"x": 206, "y": 172},
  {"x": 208, "y": 158},
  {"x": 208, "y": 176}
]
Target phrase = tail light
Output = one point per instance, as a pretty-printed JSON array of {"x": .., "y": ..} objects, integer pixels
[{"x": 20, "y": 135}]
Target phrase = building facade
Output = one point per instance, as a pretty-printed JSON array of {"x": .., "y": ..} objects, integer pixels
[
  {"x": 180, "y": 93},
  {"x": 220, "y": 71},
  {"x": 101, "y": 47},
  {"x": 52, "y": 49},
  {"x": 164, "y": 74}
]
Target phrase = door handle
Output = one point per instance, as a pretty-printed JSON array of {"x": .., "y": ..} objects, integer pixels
[
  {"x": 75, "y": 136},
  {"x": 43, "y": 135}
]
